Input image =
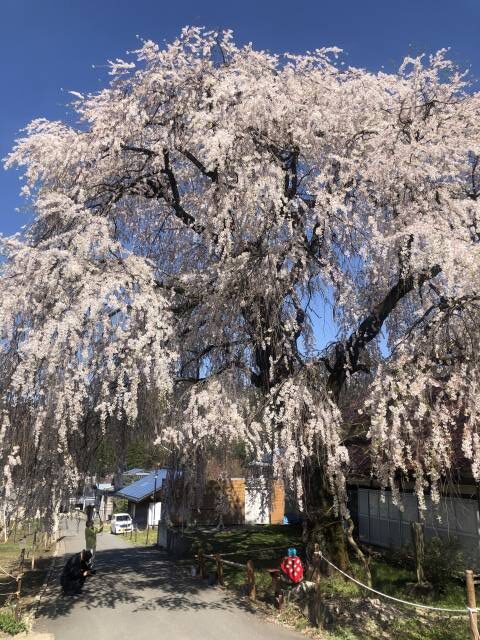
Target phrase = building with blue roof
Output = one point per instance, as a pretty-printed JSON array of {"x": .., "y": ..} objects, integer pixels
[{"x": 145, "y": 497}]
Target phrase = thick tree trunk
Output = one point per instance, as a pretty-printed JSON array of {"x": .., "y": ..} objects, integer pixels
[
  {"x": 322, "y": 525},
  {"x": 419, "y": 550},
  {"x": 358, "y": 552}
]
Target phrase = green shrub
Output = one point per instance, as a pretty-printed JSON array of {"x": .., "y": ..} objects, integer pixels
[
  {"x": 120, "y": 505},
  {"x": 9, "y": 624},
  {"x": 443, "y": 559}
]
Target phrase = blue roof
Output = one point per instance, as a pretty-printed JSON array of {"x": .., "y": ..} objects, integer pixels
[{"x": 143, "y": 488}]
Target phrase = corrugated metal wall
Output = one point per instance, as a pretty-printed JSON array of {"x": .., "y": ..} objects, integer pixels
[{"x": 381, "y": 523}]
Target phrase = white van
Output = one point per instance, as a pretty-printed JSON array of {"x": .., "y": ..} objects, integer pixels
[{"x": 121, "y": 523}]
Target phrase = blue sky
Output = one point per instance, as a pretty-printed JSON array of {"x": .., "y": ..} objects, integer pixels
[{"x": 48, "y": 47}]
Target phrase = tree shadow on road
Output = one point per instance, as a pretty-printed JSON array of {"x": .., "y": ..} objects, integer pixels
[{"x": 142, "y": 577}]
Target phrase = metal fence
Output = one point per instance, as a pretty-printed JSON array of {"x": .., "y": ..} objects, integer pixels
[{"x": 382, "y": 523}]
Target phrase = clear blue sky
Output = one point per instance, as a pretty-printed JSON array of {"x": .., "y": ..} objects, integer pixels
[{"x": 47, "y": 45}]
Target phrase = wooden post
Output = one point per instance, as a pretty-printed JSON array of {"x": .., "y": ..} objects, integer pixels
[
  {"x": 315, "y": 566},
  {"x": 18, "y": 612},
  {"x": 202, "y": 571},
  {"x": 34, "y": 542},
  {"x": 5, "y": 527},
  {"x": 219, "y": 569},
  {"x": 472, "y": 605},
  {"x": 250, "y": 577},
  {"x": 276, "y": 587},
  {"x": 419, "y": 550}
]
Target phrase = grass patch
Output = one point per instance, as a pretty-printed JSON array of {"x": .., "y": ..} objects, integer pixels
[
  {"x": 393, "y": 579},
  {"x": 10, "y": 561},
  {"x": 8, "y": 623},
  {"x": 265, "y": 545},
  {"x": 140, "y": 537},
  {"x": 435, "y": 629},
  {"x": 396, "y": 581},
  {"x": 239, "y": 541}
]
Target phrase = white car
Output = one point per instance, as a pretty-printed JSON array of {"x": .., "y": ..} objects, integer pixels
[{"x": 121, "y": 523}]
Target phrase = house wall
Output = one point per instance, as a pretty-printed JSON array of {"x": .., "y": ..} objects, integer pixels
[
  {"x": 234, "y": 490},
  {"x": 143, "y": 512},
  {"x": 247, "y": 502},
  {"x": 105, "y": 509},
  {"x": 236, "y": 499},
  {"x": 154, "y": 513},
  {"x": 382, "y": 523},
  {"x": 260, "y": 506},
  {"x": 277, "y": 511},
  {"x": 257, "y": 502},
  {"x": 139, "y": 512}
]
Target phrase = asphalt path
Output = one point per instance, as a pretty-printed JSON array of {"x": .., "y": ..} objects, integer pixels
[{"x": 139, "y": 594}]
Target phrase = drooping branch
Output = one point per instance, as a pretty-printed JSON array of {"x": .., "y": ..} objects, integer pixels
[
  {"x": 213, "y": 175},
  {"x": 347, "y": 353}
]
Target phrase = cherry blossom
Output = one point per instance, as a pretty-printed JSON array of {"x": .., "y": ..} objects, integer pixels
[{"x": 193, "y": 216}]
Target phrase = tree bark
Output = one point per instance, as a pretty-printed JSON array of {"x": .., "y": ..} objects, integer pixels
[
  {"x": 322, "y": 526},
  {"x": 419, "y": 550},
  {"x": 358, "y": 552}
]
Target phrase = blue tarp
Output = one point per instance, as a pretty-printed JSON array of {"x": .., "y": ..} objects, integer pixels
[{"x": 143, "y": 488}]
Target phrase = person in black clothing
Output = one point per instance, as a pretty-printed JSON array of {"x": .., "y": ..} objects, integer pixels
[{"x": 76, "y": 571}]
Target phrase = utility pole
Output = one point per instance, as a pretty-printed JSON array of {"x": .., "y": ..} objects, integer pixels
[{"x": 154, "y": 503}]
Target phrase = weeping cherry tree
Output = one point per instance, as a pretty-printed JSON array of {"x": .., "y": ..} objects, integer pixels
[{"x": 193, "y": 218}]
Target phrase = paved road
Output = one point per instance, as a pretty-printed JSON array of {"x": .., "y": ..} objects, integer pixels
[{"x": 138, "y": 594}]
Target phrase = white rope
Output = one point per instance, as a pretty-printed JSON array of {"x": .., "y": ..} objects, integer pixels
[
  {"x": 465, "y": 611},
  {"x": 7, "y": 574}
]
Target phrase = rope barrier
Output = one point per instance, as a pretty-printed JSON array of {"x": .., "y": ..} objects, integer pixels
[
  {"x": 7, "y": 574},
  {"x": 416, "y": 605},
  {"x": 227, "y": 562}
]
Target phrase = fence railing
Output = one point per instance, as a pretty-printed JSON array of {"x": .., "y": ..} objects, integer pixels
[
  {"x": 220, "y": 562},
  {"x": 14, "y": 579}
]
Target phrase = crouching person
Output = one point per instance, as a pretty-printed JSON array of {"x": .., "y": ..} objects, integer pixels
[
  {"x": 289, "y": 576},
  {"x": 76, "y": 571}
]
